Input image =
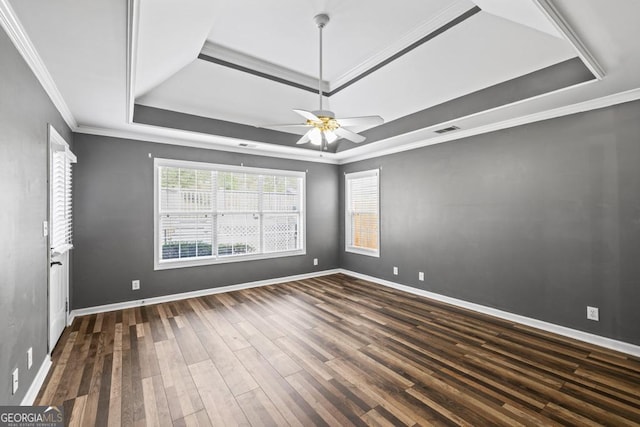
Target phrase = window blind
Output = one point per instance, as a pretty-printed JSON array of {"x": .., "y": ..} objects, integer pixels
[
  {"x": 211, "y": 213},
  {"x": 362, "y": 212},
  {"x": 61, "y": 228}
]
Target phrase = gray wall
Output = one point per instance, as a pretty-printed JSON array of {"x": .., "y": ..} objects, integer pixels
[
  {"x": 176, "y": 120},
  {"x": 554, "y": 77},
  {"x": 113, "y": 223},
  {"x": 25, "y": 110},
  {"x": 539, "y": 220}
]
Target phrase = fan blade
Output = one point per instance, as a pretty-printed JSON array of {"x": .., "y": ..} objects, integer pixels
[
  {"x": 305, "y": 138},
  {"x": 351, "y": 136},
  {"x": 308, "y": 115},
  {"x": 297, "y": 128},
  {"x": 361, "y": 121},
  {"x": 315, "y": 136}
]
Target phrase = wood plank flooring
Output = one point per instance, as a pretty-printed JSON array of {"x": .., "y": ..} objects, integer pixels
[{"x": 332, "y": 351}]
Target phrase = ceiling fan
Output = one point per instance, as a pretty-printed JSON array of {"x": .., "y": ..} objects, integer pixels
[{"x": 322, "y": 127}]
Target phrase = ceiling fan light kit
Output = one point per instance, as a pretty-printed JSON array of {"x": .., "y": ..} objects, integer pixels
[{"x": 324, "y": 127}]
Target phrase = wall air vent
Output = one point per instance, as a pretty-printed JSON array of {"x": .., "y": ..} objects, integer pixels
[{"x": 449, "y": 129}]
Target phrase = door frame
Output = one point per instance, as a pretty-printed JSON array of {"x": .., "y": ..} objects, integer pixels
[{"x": 54, "y": 139}]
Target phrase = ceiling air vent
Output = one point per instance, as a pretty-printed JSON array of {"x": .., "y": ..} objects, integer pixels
[{"x": 449, "y": 129}]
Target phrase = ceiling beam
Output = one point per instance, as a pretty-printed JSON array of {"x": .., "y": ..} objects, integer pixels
[{"x": 552, "y": 13}]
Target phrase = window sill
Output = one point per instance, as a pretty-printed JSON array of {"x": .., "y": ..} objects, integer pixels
[
  {"x": 363, "y": 251},
  {"x": 181, "y": 263}
]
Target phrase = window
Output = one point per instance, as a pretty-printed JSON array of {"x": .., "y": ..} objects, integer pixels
[
  {"x": 362, "y": 221},
  {"x": 60, "y": 198},
  {"x": 206, "y": 213}
]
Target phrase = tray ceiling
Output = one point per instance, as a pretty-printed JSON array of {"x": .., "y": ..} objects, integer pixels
[{"x": 207, "y": 72}]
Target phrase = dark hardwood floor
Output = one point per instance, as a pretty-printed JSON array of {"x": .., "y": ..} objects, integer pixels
[{"x": 331, "y": 351}]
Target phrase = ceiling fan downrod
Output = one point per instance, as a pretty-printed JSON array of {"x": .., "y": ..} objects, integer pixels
[
  {"x": 322, "y": 127},
  {"x": 321, "y": 21}
]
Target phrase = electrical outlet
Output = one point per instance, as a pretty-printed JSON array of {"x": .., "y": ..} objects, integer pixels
[
  {"x": 395, "y": 271},
  {"x": 135, "y": 285},
  {"x": 593, "y": 313},
  {"x": 315, "y": 261},
  {"x": 45, "y": 228},
  {"x": 14, "y": 381},
  {"x": 29, "y": 357},
  {"x": 421, "y": 276}
]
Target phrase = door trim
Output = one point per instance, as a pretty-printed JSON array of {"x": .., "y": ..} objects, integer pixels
[{"x": 53, "y": 139}]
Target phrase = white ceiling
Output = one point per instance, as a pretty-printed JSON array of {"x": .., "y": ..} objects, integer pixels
[
  {"x": 447, "y": 67},
  {"x": 103, "y": 56},
  {"x": 284, "y": 32}
]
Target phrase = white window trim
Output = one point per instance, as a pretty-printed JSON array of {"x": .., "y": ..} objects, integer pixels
[
  {"x": 58, "y": 144},
  {"x": 347, "y": 238},
  {"x": 181, "y": 263}
]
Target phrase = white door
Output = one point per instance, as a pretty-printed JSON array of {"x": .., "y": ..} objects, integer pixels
[
  {"x": 60, "y": 230},
  {"x": 58, "y": 296}
]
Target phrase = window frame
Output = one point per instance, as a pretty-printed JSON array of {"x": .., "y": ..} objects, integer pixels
[
  {"x": 349, "y": 247},
  {"x": 60, "y": 217},
  {"x": 160, "y": 264}
]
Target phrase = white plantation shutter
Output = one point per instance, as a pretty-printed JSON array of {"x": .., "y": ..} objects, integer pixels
[
  {"x": 208, "y": 213},
  {"x": 362, "y": 222},
  {"x": 185, "y": 212},
  {"x": 61, "y": 201},
  {"x": 282, "y": 213}
]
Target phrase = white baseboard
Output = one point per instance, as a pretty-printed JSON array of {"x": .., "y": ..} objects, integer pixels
[
  {"x": 194, "y": 294},
  {"x": 35, "y": 386},
  {"x": 609, "y": 343}
]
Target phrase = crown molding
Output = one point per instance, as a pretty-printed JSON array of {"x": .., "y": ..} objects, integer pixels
[
  {"x": 404, "y": 142},
  {"x": 133, "y": 13},
  {"x": 11, "y": 24},
  {"x": 452, "y": 12},
  {"x": 226, "y": 57},
  {"x": 563, "y": 27},
  {"x": 159, "y": 135},
  {"x": 421, "y": 138},
  {"x": 417, "y": 139},
  {"x": 213, "y": 52}
]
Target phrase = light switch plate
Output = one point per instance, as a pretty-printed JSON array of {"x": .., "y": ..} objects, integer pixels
[
  {"x": 593, "y": 313},
  {"x": 14, "y": 381}
]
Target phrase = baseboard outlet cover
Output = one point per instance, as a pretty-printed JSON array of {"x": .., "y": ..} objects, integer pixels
[
  {"x": 193, "y": 294},
  {"x": 621, "y": 346},
  {"x": 35, "y": 386}
]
